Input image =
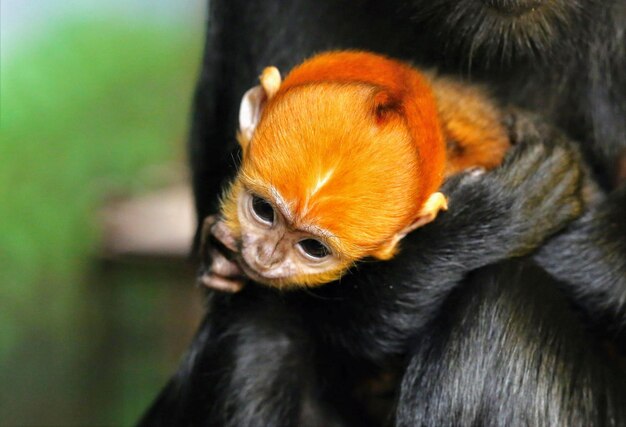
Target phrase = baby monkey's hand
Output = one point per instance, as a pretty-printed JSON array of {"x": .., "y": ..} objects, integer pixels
[{"x": 219, "y": 271}]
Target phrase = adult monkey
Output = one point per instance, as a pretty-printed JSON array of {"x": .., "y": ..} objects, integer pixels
[{"x": 506, "y": 345}]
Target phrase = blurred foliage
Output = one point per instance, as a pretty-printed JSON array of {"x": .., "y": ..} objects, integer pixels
[{"x": 83, "y": 111}]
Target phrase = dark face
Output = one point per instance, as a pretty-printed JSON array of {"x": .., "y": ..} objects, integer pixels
[
  {"x": 267, "y": 248},
  {"x": 274, "y": 251}
]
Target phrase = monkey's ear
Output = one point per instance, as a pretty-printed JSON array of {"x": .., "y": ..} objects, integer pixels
[
  {"x": 385, "y": 104},
  {"x": 253, "y": 103},
  {"x": 436, "y": 202}
]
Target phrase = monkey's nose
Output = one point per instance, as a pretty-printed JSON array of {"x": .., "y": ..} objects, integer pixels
[{"x": 267, "y": 257}]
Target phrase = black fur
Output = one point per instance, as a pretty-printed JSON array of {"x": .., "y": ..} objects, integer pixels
[
  {"x": 507, "y": 345},
  {"x": 496, "y": 357},
  {"x": 563, "y": 58},
  {"x": 299, "y": 357},
  {"x": 590, "y": 257}
]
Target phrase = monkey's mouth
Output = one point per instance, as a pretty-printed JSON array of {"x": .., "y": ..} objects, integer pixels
[
  {"x": 224, "y": 268},
  {"x": 228, "y": 271},
  {"x": 250, "y": 272}
]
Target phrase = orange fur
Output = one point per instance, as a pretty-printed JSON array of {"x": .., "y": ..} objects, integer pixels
[
  {"x": 352, "y": 141},
  {"x": 471, "y": 126},
  {"x": 353, "y": 144},
  {"x": 408, "y": 94}
]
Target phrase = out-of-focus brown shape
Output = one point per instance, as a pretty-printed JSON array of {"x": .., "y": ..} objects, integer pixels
[{"x": 158, "y": 224}]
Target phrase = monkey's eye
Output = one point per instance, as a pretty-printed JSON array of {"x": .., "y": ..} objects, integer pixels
[
  {"x": 314, "y": 249},
  {"x": 262, "y": 210}
]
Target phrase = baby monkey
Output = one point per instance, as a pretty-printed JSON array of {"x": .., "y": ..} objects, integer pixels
[{"x": 340, "y": 161}]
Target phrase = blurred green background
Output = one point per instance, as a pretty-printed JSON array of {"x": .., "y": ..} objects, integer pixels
[{"x": 94, "y": 105}]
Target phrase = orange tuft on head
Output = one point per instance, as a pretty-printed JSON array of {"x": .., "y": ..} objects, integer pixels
[
  {"x": 351, "y": 141},
  {"x": 399, "y": 87}
]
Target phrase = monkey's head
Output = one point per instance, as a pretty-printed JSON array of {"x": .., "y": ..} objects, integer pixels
[{"x": 330, "y": 174}]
